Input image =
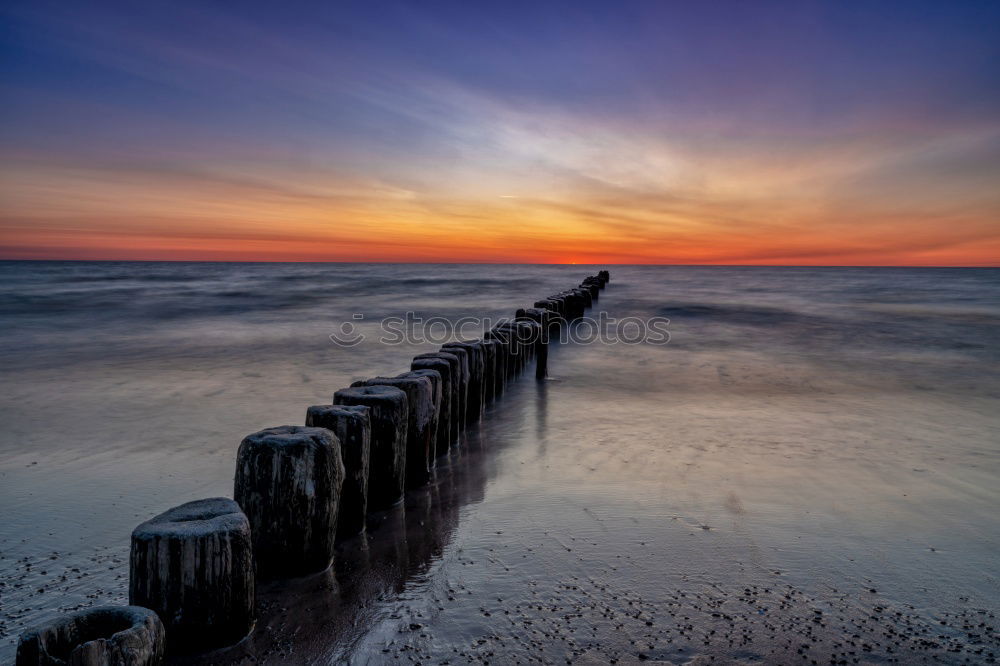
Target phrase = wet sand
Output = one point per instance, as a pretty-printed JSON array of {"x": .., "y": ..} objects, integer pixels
[
  {"x": 527, "y": 549},
  {"x": 750, "y": 492}
]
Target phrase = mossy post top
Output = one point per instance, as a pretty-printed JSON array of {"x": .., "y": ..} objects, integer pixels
[
  {"x": 290, "y": 436},
  {"x": 378, "y": 393},
  {"x": 197, "y": 518}
]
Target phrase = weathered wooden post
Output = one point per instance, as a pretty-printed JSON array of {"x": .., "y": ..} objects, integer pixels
[
  {"x": 477, "y": 368},
  {"x": 438, "y": 388},
  {"x": 288, "y": 483},
  {"x": 99, "y": 636},
  {"x": 479, "y": 350},
  {"x": 529, "y": 332},
  {"x": 549, "y": 320},
  {"x": 352, "y": 426},
  {"x": 540, "y": 334},
  {"x": 442, "y": 367},
  {"x": 389, "y": 413},
  {"x": 526, "y": 339},
  {"x": 565, "y": 306},
  {"x": 193, "y": 565},
  {"x": 505, "y": 337},
  {"x": 542, "y": 353},
  {"x": 513, "y": 353},
  {"x": 552, "y": 306},
  {"x": 506, "y": 347},
  {"x": 467, "y": 358},
  {"x": 578, "y": 301},
  {"x": 562, "y": 307},
  {"x": 465, "y": 374},
  {"x": 499, "y": 362},
  {"x": 538, "y": 315},
  {"x": 569, "y": 303},
  {"x": 501, "y": 338},
  {"x": 422, "y": 420},
  {"x": 516, "y": 346},
  {"x": 489, "y": 369},
  {"x": 458, "y": 392},
  {"x": 555, "y": 309}
]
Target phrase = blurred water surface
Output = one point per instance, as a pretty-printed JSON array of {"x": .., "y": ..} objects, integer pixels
[{"x": 811, "y": 440}]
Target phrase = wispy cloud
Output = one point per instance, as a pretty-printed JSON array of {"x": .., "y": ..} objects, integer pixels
[{"x": 648, "y": 134}]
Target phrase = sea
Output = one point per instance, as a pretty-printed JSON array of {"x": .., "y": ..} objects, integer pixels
[{"x": 804, "y": 469}]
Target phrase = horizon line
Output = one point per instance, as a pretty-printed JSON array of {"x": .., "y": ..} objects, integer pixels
[{"x": 485, "y": 263}]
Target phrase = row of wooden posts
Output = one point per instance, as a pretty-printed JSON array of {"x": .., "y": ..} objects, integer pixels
[{"x": 298, "y": 491}]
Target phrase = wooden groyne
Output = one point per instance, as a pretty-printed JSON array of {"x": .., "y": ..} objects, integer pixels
[{"x": 298, "y": 491}]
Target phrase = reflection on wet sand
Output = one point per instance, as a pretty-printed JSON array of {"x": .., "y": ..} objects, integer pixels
[{"x": 322, "y": 617}]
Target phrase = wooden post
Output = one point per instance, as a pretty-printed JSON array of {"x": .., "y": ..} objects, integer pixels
[
  {"x": 288, "y": 483},
  {"x": 437, "y": 388},
  {"x": 500, "y": 358},
  {"x": 540, "y": 337},
  {"x": 465, "y": 378},
  {"x": 442, "y": 367},
  {"x": 99, "y": 636},
  {"x": 352, "y": 426},
  {"x": 193, "y": 565},
  {"x": 477, "y": 370},
  {"x": 389, "y": 413},
  {"x": 420, "y": 430},
  {"x": 490, "y": 370},
  {"x": 459, "y": 388}
]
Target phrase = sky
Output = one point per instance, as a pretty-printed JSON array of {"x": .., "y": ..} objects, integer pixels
[{"x": 661, "y": 132}]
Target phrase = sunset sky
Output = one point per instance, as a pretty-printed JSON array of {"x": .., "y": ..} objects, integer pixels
[{"x": 668, "y": 132}]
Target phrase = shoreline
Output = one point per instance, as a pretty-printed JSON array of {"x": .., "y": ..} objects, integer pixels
[{"x": 771, "y": 432}]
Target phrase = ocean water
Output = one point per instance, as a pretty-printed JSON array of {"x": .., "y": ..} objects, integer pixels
[{"x": 808, "y": 471}]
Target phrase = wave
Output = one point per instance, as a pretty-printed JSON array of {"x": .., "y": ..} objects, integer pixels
[{"x": 737, "y": 314}]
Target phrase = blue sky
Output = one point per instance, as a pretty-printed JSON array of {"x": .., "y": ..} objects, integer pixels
[{"x": 664, "y": 132}]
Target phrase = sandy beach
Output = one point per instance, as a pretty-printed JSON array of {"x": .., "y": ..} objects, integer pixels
[{"x": 807, "y": 471}]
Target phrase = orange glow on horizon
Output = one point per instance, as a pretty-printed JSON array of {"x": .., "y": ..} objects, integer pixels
[
  {"x": 744, "y": 217},
  {"x": 490, "y": 248}
]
